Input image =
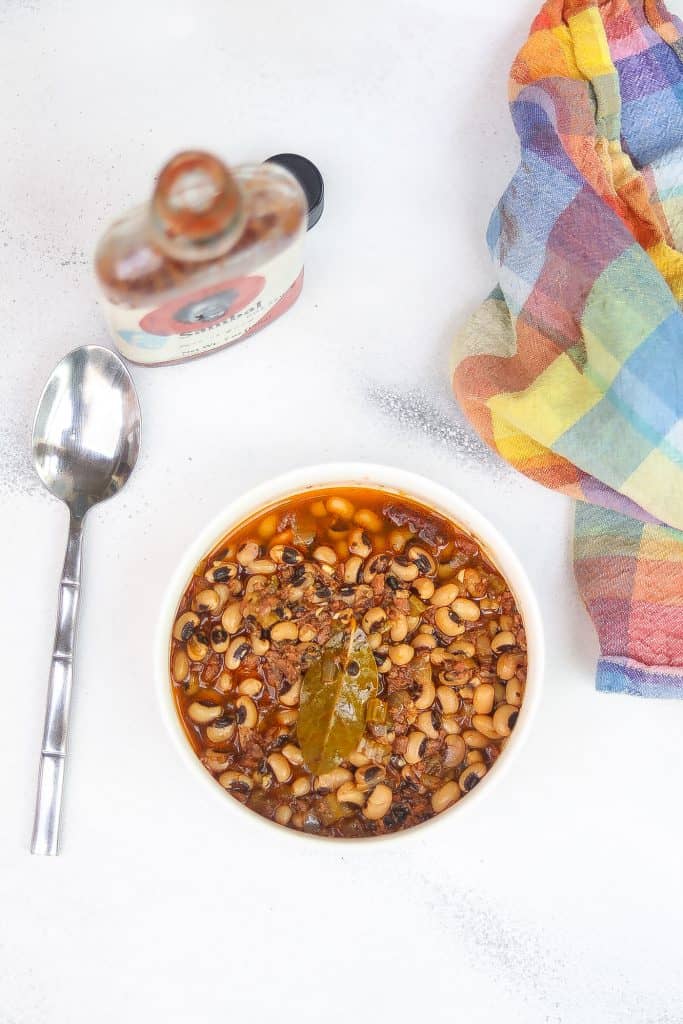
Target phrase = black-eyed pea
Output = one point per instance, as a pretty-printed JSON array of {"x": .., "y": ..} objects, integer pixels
[
  {"x": 207, "y": 601},
  {"x": 466, "y": 691},
  {"x": 445, "y": 796},
  {"x": 429, "y": 722},
  {"x": 475, "y": 740},
  {"x": 191, "y": 685},
  {"x": 267, "y": 528},
  {"x": 291, "y": 555},
  {"x": 471, "y": 776},
  {"x": 358, "y": 759},
  {"x": 180, "y": 665},
  {"x": 464, "y": 647},
  {"x": 197, "y": 647},
  {"x": 368, "y": 776},
  {"x": 422, "y": 558},
  {"x": 236, "y": 652},
  {"x": 283, "y": 814},
  {"x": 506, "y": 622},
  {"x": 444, "y": 595},
  {"x": 503, "y": 641},
  {"x": 398, "y": 538},
  {"x": 448, "y": 622},
  {"x": 216, "y": 760},
  {"x": 307, "y": 633},
  {"x": 450, "y": 725},
  {"x": 417, "y": 744},
  {"x": 220, "y": 639},
  {"x": 360, "y": 543},
  {"x": 260, "y": 644},
  {"x": 280, "y": 767},
  {"x": 403, "y": 569},
  {"x": 202, "y": 713},
  {"x": 514, "y": 691},
  {"x": 484, "y": 725},
  {"x": 475, "y": 757},
  {"x": 231, "y": 619},
  {"x": 374, "y": 565},
  {"x": 499, "y": 691},
  {"x": 401, "y": 654},
  {"x": 247, "y": 714},
  {"x": 455, "y": 750},
  {"x": 333, "y": 779},
  {"x": 224, "y": 682},
  {"x": 383, "y": 666},
  {"x": 222, "y": 572},
  {"x": 277, "y": 551},
  {"x": 325, "y": 555},
  {"x": 483, "y": 699},
  {"x": 317, "y": 509},
  {"x": 261, "y": 567},
  {"x": 378, "y": 802},
  {"x": 248, "y": 552},
  {"x": 374, "y": 620},
  {"x": 448, "y": 699},
  {"x": 236, "y": 782},
  {"x": 438, "y": 656},
  {"x": 250, "y": 687},
  {"x": 399, "y": 629},
  {"x": 375, "y": 641},
  {"x": 465, "y": 609},
  {"x": 504, "y": 718},
  {"x": 338, "y": 506},
  {"x": 423, "y": 642},
  {"x": 224, "y": 594},
  {"x": 352, "y": 569},
  {"x": 506, "y": 666},
  {"x": 221, "y": 730},
  {"x": 368, "y": 519},
  {"x": 289, "y": 694},
  {"x": 426, "y": 695},
  {"x": 285, "y": 631},
  {"x": 350, "y": 794},
  {"x": 286, "y": 716},
  {"x": 293, "y": 754},
  {"x": 300, "y": 786},
  {"x": 185, "y": 625},
  {"x": 424, "y": 588}
]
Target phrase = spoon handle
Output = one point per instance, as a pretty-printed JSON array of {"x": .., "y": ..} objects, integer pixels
[{"x": 53, "y": 753}]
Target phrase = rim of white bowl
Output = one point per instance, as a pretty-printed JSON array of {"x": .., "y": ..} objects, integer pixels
[{"x": 392, "y": 480}]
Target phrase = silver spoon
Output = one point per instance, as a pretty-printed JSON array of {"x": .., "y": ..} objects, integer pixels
[{"x": 86, "y": 438}]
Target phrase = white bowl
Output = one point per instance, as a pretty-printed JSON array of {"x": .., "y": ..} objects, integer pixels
[{"x": 394, "y": 481}]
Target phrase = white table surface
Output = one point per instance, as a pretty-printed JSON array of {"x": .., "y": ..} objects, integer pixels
[{"x": 556, "y": 901}]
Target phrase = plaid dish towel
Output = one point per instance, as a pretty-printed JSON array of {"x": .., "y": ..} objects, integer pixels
[{"x": 573, "y": 368}]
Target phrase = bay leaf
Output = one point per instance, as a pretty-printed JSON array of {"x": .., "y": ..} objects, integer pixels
[{"x": 334, "y": 695}]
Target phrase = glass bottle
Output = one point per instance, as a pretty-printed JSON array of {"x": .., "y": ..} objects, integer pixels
[{"x": 215, "y": 255}]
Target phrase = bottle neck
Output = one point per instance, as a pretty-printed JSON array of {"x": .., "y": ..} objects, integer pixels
[{"x": 197, "y": 209}]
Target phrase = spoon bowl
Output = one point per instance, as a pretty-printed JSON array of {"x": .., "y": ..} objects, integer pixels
[
  {"x": 86, "y": 439},
  {"x": 86, "y": 434}
]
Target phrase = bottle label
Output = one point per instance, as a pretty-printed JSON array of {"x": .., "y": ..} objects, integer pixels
[{"x": 196, "y": 322}]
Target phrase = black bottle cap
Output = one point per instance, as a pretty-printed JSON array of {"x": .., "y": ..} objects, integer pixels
[{"x": 310, "y": 179}]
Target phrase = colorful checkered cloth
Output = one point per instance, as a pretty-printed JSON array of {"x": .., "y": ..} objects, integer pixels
[{"x": 573, "y": 368}]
